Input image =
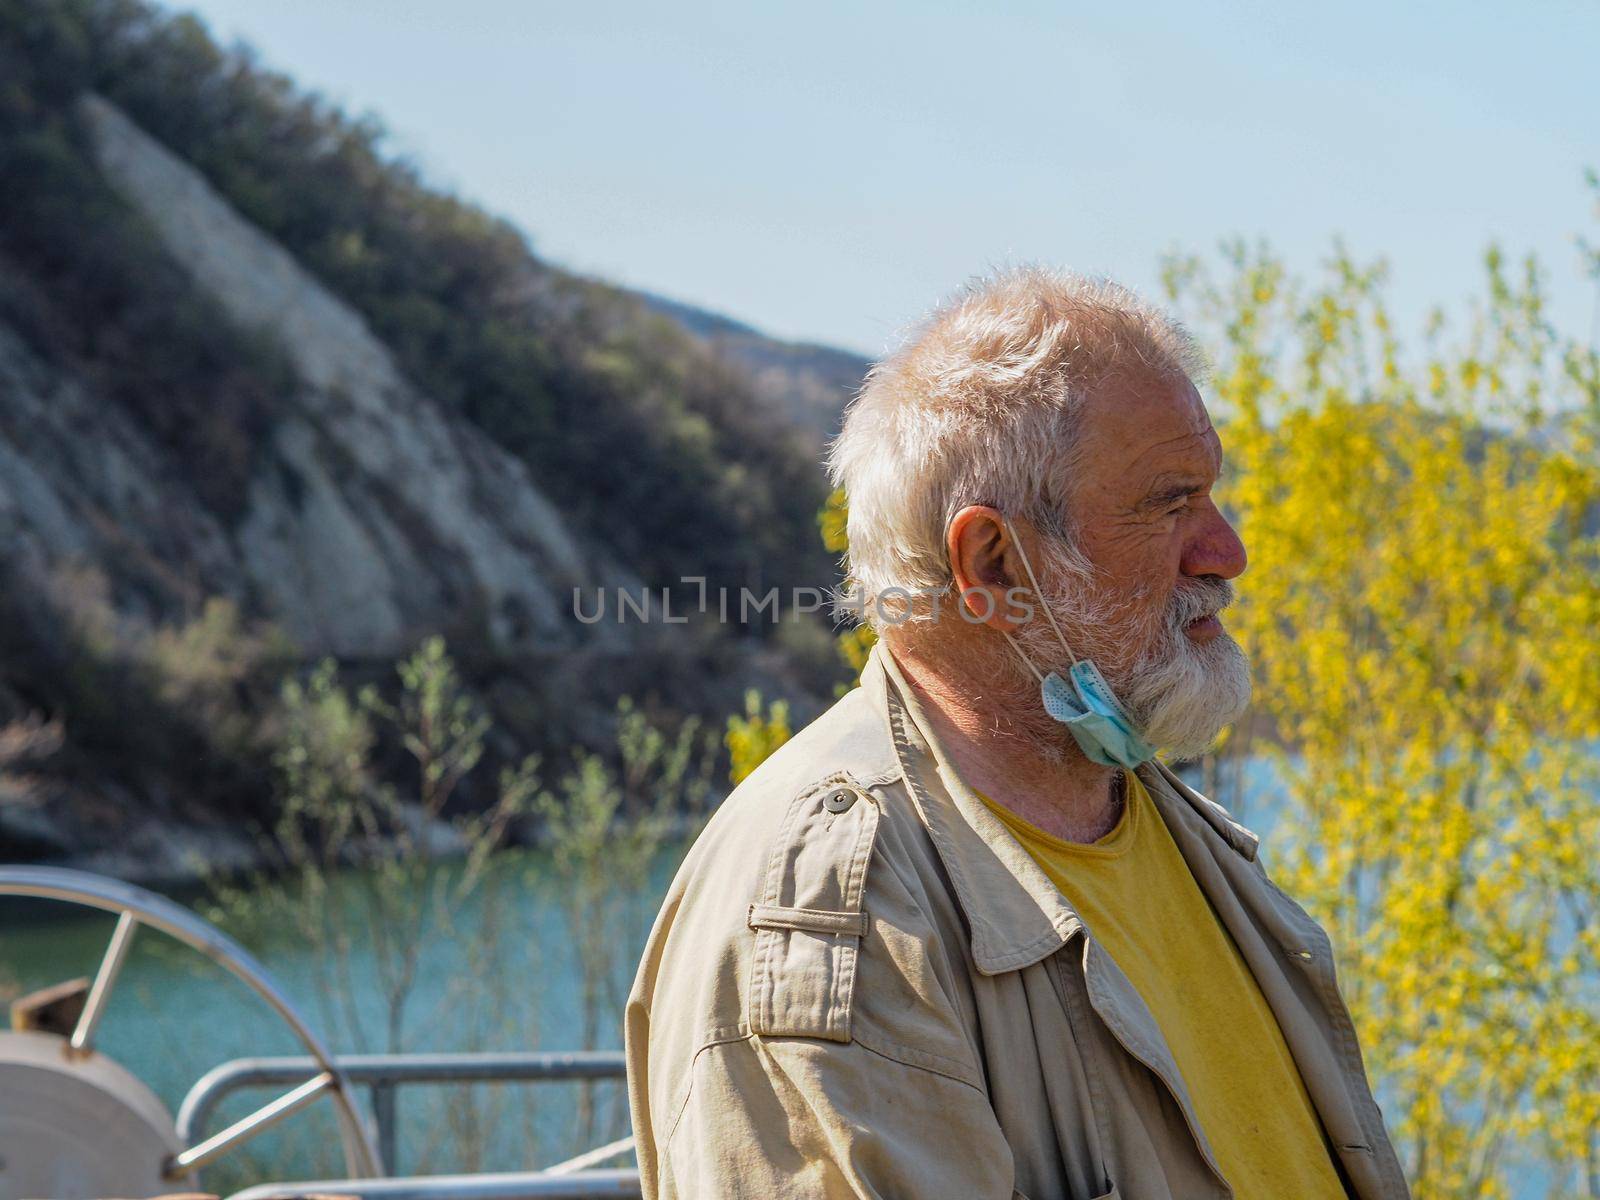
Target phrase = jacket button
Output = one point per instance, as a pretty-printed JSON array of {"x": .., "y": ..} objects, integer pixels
[{"x": 838, "y": 800}]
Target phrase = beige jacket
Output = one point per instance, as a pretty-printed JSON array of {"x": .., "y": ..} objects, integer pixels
[{"x": 860, "y": 985}]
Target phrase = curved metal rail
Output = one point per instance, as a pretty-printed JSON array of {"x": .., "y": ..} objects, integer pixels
[{"x": 134, "y": 907}]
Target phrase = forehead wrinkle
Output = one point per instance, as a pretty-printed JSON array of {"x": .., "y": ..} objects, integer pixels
[
  {"x": 1177, "y": 445},
  {"x": 1175, "y": 481}
]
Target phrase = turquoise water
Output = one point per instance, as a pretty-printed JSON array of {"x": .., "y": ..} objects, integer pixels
[{"x": 503, "y": 971}]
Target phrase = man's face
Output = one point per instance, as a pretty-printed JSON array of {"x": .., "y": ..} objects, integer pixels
[{"x": 1158, "y": 553}]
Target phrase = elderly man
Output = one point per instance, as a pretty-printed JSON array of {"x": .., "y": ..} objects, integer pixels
[{"x": 966, "y": 936}]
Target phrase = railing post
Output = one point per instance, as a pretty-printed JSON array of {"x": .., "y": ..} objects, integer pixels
[
  {"x": 384, "y": 1110},
  {"x": 82, "y": 1041}
]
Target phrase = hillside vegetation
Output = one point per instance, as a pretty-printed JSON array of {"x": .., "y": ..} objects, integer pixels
[
  {"x": 266, "y": 396},
  {"x": 660, "y": 448}
]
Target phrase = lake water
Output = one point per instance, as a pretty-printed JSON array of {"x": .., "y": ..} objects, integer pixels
[{"x": 502, "y": 972}]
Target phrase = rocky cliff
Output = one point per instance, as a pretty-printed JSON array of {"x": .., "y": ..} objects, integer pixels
[
  {"x": 358, "y": 511},
  {"x": 372, "y": 513}
]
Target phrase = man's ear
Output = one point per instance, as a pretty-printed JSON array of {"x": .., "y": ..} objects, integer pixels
[{"x": 981, "y": 550}]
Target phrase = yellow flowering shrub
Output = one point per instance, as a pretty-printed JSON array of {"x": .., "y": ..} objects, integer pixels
[
  {"x": 1421, "y": 613},
  {"x": 753, "y": 736},
  {"x": 856, "y": 642}
]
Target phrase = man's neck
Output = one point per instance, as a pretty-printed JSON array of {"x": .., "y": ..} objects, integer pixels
[{"x": 1004, "y": 745}]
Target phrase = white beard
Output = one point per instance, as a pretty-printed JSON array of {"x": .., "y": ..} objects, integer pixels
[
  {"x": 1181, "y": 694},
  {"x": 1185, "y": 694}
]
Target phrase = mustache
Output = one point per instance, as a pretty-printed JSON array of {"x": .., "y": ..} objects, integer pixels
[{"x": 1203, "y": 597}]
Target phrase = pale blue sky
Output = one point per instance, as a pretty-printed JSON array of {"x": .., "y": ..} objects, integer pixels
[{"x": 826, "y": 171}]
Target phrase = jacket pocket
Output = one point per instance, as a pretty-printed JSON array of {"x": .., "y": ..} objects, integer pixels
[{"x": 809, "y": 919}]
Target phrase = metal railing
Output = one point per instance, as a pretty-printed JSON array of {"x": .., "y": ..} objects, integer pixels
[
  {"x": 384, "y": 1074},
  {"x": 590, "y": 1185},
  {"x": 136, "y": 907}
]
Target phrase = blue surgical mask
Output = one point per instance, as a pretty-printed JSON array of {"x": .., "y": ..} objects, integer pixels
[
  {"x": 1097, "y": 722},
  {"x": 1086, "y": 705}
]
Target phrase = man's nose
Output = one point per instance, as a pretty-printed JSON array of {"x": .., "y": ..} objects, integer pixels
[{"x": 1214, "y": 548}]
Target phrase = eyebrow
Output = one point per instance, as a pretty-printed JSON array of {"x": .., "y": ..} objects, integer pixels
[{"x": 1170, "y": 486}]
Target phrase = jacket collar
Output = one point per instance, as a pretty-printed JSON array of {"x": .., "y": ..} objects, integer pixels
[{"x": 1015, "y": 915}]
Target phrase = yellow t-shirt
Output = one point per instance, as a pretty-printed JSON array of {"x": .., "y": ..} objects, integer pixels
[{"x": 1137, "y": 896}]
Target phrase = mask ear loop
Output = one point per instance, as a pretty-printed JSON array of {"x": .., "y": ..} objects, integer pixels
[
  {"x": 1039, "y": 596},
  {"x": 1026, "y": 661}
]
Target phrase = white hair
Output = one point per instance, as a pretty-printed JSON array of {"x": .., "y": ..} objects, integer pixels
[{"x": 980, "y": 406}]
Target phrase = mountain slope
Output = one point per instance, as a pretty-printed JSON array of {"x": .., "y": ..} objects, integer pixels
[
  {"x": 807, "y": 384},
  {"x": 264, "y": 396},
  {"x": 664, "y": 451}
]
